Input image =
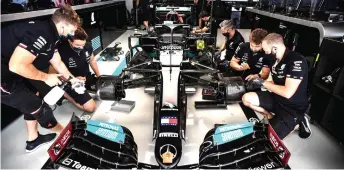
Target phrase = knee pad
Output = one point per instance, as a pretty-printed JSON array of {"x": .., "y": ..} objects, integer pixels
[
  {"x": 29, "y": 117},
  {"x": 45, "y": 117},
  {"x": 281, "y": 126},
  {"x": 91, "y": 81}
]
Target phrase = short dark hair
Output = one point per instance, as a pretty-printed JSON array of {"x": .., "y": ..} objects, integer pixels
[
  {"x": 66, "y": 14},
  {"x": 203, "y": 14},
  {"x": 80, "y": 34},
  {"x": 258, "y": 35}
]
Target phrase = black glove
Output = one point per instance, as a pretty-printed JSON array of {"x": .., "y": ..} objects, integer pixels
[
  {"x": 254, "y": 84},
  {"x": 91, "y": 82},
  {"x": 217, "y": 54}
]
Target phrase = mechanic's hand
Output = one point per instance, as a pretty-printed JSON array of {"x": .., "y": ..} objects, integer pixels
[
  {"x": 255, "y": 83},
  {"x": 245, "y": 66},
  {"x": 53, "y": 80},
  {"x": 81, "y": 78},
  {"x": 193, "y": 32},
  {"x": 76, "y": 80},
  {"x": 217, "y": 54},
  {"x": 252, "y": 76},
  {"x": 225, "y": 63}
]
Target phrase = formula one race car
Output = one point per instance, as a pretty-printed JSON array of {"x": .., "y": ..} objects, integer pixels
[
  {"x": 95, "y": 145},
  {"x": 102, "y": 145}
]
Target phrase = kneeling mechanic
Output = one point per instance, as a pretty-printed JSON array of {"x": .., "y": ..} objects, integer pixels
[
  {"x": 26, "y": 48},
  {"x": 249, "y": 59},
  {"x": 78, "y": 56},
  {"x": 287, "y": 93}
]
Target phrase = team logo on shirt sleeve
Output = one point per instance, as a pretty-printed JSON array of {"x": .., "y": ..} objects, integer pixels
[
  {"x": 283, "y": 66},
  {"x": 297, "y": 66},
  {"x": 39, "y": 43}
]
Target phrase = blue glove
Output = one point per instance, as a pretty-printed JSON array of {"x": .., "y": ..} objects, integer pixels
[
  {"x": 225, "y": 63},
  {"x": 217, "y": 54}
]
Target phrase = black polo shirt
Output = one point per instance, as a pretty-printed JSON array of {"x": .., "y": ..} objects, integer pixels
[
  {"x": 77, "y": 63},
  {"x": 38, "y": 37},
  {"x": 233, "y": 43},
  {"x": 212, "y": 26},
  {"x": 256, "y": 60},
  {"x": 293, "y": 65}
]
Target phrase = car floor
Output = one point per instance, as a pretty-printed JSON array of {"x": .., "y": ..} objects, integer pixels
[{"x": 321, "y": 150}]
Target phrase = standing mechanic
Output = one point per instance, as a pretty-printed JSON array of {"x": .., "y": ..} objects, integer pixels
[
  {"x": 146, "y": 6},
  {"x": 201, "y": 5},
  {"x": 77, "y": 56},
  {"x": 287, "y": 98},
  {"x": 250, "y": 59},
  {"x": 25, "y": 48},
  {"x": 233, "y": 39}
]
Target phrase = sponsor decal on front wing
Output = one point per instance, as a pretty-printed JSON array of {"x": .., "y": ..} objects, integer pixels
[{"x": 70, "y": 163}]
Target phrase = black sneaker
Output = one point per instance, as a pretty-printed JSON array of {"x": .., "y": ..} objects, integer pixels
[
  {"x": 304, "y": 129},
  {"x": 59, "y": 102},
  {"x": 39, "y": 141}
]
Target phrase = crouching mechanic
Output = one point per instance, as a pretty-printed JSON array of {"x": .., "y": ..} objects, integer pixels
[
  {"x": 287, "y": 98},
  {"x": 233, "y": 39},
  {"x": 249, "y": 58},
  {"x": 25, "y": 48},
  {"x": 78, "y": 56}
]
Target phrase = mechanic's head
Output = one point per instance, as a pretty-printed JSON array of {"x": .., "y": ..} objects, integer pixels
[
  {"x": 79, "y": 40},
  {"x": 256, "y": 38},
  {"x": 227, "y": 28},
  {"x": 273, "y": 44},
  {"x": 204, "y": 16},
  {"x": 66, "y": 21}
]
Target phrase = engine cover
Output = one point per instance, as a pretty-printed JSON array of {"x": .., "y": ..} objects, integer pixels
[{"x": 235, "y": 88}]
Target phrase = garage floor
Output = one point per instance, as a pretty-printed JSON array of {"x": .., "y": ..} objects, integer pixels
[{"x": 319, "y": 151}]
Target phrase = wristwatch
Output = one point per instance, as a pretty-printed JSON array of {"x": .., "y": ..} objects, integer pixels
[{"x": 260, "y": 76}]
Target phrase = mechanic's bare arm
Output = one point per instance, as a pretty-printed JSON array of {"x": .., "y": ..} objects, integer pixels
[
  {"x": 265, "y": 73},
  {"x": 21, "y": 63},
  {"x": 287, "y": 91},
  {"x": 137, "y": 2},
  {"x": 235, "y": 64},
  {"x": 94, "y": 66},
  {"x": 223, "y": 47},
  {"x": 59, "y": 66},
  {"x": 204, "y": 29},
  {"x": 200, "y": 23}
]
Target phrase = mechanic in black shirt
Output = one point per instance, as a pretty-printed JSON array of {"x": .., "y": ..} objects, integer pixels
[
  {"x": 233, "y": 39},
  {"x": 287, "y": 92},
  {"x": 250, "y": 59},
  {"x": 209, "y": 25},
  {"x": 78, "y": 56},
  {"x": 147, "y": 7},
  {"x": 201, "y": 5},
  {"x": 25, "y": 48}
]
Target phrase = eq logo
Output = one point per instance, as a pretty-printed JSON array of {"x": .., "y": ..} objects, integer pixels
[
  {"x": 57, "y": 149},
  {"x": 253, "y": 120},
  {"x": 170, "y": 135},
  {"x": 85, "y": 117}
]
